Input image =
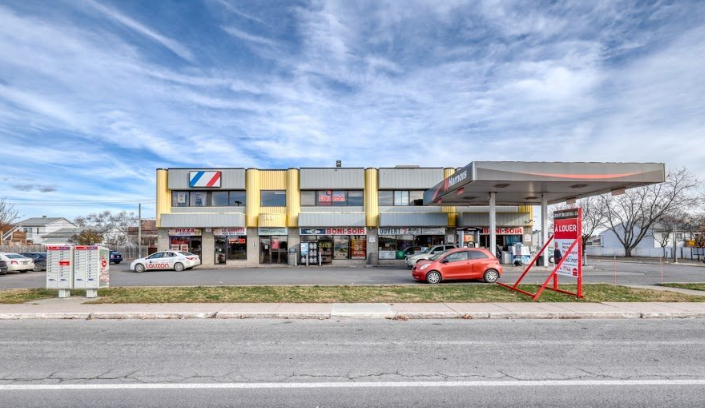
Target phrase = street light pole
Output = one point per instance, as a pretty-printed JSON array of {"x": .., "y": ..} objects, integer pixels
[
  {"x": 139, "y": 230},
  {"x": 675, "y": 246}
]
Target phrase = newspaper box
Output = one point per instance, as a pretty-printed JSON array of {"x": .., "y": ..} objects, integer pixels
[
  {"x": 91, "y": 268},
  {"x": 60, "y": 268}
]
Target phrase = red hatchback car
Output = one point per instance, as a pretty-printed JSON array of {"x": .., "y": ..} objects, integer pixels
[{"x": 460, "y": 263}]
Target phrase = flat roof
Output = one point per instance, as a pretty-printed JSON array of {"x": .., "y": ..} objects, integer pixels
[{"x": 523, "y": 183}]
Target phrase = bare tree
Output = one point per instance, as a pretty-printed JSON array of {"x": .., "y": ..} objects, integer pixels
[
  {"x": 114, "y": 227},
  {"x": 8, "y": 214},
  {"x": 665, "y": 225},
  {"x": 87, "y": 237},
  {"x": 631, "y": 215}
]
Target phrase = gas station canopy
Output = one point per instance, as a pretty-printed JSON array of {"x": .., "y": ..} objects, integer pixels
[{"x": 527, "y": 183}]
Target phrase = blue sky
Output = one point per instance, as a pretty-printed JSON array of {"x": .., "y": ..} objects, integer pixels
[{"x": 97, "y": 94}]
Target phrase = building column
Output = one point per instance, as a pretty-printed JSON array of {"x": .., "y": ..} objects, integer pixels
[
  {"x": 493, "y": 222},
  {"x": 544, "y": 227}
]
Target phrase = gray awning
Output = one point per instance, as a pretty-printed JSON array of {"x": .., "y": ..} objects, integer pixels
[
  {"x": 202, "y": 220},
  {"x": 328, "y": 219},
  {"x": 413, "y": 219}
]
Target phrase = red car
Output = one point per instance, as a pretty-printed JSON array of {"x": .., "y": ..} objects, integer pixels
[{"x": 457, "y": 264}]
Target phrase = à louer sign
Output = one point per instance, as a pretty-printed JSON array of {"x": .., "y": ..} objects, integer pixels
[{"x": 565, "y": 231}]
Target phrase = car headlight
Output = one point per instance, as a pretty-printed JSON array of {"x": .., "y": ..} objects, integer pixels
[{"x": 424, "y": 266}]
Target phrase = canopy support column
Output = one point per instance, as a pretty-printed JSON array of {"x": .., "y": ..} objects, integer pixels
[
  {"x": 544, "y": 226},
  {"x": 493, "y": 224}
]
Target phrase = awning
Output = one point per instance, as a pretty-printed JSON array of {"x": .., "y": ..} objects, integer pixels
[{"x": 523, "y": 183}]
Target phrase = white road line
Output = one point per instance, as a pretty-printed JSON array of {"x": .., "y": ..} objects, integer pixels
[{"x": 389, "y": 384}]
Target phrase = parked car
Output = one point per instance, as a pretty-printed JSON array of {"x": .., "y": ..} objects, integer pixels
[
  {"x": 115, "y": 257},
  {"x": 3, "y": 267},
  {"x": 411, "y": 260},
  {"x": 39, "y": 258},
  {"x": 176, "y": 260},
  {"x": 16, "y": 262},
  {"x": 456, "y": 264}
]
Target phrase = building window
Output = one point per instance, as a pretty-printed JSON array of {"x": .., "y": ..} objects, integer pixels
[
  {"x": 386, "y": 198},
  {"x": 416, "y": 197},
  {"x": 199, "y": 199},
  {"x": 401, "y": 198},
  {"x": 355, "y": 198},
  {"x": 237, "y": 199},
  {"x": 308, "y": 198},
  {"x": 219, "y": 199},
  {"x": 207, "y": 198},
  {"x": 327, "y": 198},
  {"x": 273, "y": 198},
  {"x": 179, "y": 198}
]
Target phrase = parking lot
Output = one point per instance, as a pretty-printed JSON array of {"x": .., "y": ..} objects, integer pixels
[{"x": 599, "y": 271}]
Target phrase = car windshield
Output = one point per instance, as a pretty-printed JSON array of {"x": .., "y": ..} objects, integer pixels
[{"x": 436, "y": 256}]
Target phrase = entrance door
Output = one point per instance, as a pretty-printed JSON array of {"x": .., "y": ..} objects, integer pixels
[
  {"x": 265, "y": 253},
  {"x": 220, "y": 249}
]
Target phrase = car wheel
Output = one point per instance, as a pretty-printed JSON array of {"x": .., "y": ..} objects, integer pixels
[
  {"x": 37, "y": 268},
  {"x": 139, "y": 268},
  {"x": 118, "y": 262},
  {"x": 178, "y": 267},
  {"x": 491, "y": 276},
  {"x": 433, "y": 277}
]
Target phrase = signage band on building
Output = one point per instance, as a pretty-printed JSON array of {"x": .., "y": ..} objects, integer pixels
[
  {"x": 272, "y": 231},
  {"x": 184, "y": 232},
  {"x": 505, "y": 231},
  {"x": 411, "y": 231},
  {"x": 230, "y": 232},
  {"x": 333, "y": 231}
]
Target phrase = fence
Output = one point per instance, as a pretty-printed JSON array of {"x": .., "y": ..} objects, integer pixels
[{"x": 681, "y": 252}]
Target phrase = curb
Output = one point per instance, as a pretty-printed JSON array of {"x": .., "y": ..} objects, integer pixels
[{"x": 328, "y": 316}]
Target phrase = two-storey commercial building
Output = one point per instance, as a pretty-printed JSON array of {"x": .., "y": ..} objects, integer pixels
[{"x": 247, "y": 217}]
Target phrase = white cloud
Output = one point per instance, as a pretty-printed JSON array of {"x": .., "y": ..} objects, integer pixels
[{"x": 140, "y": 28}]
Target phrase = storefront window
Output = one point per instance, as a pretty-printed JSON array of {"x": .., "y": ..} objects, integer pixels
[
  {"x": 386, "y": 198},
  {"x": 199, "y": 198},
  {"x": 179, "y": 198},
  {"x": 273, "y": 198},
  {"x": 219, "y": 199},
  {"x": 355, "y": 198},
  {"x": 186, "y": 244},
  {"x": 339, "y": 247},
  {"x": 237, "y": 199},
  {"x": 230, "y": 248},
  {"x": 308, "y": 198},
  {"x": 416, "y": 197},
  {"x": 273, "y": 249},
  {"x": 401, "y": 198}
]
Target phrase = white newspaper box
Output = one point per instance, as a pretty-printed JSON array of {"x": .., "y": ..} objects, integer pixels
[
  {"x": 91, "y": 268},
  {"x": 60, "y": 268}
]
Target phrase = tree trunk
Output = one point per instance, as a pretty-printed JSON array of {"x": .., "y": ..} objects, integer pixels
[{"x": 627, "y": 252}]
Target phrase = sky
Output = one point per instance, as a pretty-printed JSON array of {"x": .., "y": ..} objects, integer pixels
[{"x": 97, "y": 94}]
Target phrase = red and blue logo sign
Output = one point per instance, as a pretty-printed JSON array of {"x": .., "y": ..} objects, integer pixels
[{"x": 208, "y": 179}]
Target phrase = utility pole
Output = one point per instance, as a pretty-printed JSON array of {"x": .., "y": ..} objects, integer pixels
[
  {"x": 139, "y": 230},
  {"x": 675, "y": 246}
]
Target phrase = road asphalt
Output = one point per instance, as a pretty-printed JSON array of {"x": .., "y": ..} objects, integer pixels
[
  {"x": 600, "y": 271},
  {"x": 352, "y": 363}
]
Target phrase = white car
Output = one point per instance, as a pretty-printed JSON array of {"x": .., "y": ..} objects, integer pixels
[
  {"x": 176, "y": 260},
  {"x": 412, "y": 259},
  {"x": 17, "y": 262}
]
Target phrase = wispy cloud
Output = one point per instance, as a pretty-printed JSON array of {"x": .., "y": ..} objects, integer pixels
[
  {"x": 249, "y": 37},
  {"x": 142, "y": 29}
]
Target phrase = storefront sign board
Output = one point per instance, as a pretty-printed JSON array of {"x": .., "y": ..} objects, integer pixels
[
  {"x": 333, "y": 231},
  {"x": 184, "y": 232},
  {"x": 411, "y": 231},
  {"x": 230, "y": 232},
  {"x": 272, "y": 231},
  {"x": 505, "y": 231}
]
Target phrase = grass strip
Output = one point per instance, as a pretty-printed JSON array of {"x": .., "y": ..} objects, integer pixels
[
  {"x": 691, "y": 286},
  {"x": 353, "y": 294}
]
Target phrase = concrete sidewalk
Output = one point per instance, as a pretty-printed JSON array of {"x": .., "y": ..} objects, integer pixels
[{"x": 75, "y": 308}]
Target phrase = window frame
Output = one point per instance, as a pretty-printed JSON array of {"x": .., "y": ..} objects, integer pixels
[{"x": 274, "y": 193}]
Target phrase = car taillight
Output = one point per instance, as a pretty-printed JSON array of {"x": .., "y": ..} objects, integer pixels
[
  {"x": 190, "y": 258},
  {"x": 13, "y": 262}
]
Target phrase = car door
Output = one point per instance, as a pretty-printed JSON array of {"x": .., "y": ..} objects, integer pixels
[
  {"x": 456, "y": 265},
  {"x": 480, "y": 262},
  {"x": 171, "y": 258},
  {"x": 154, "y": 260}
]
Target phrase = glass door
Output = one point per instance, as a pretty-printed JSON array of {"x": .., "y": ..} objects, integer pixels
[
  {"x": 265, "y": 254},
  {"x": 341, "y": 247},
  {"x": 220, "y": 248}
]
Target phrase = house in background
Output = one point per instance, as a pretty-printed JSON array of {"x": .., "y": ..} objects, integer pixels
[
  {"x": 606, "y": 243},
  {"x": 39, "y": 227}
]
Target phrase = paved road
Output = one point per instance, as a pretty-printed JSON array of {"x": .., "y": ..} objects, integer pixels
[
  {"x": 627, "y": 273},
  {"x": 355, "y": 363}
]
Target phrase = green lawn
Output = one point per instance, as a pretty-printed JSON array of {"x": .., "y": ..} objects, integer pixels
[
  {"x": 352, "y": 294},
  {"x": 693, "y": 286}
]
